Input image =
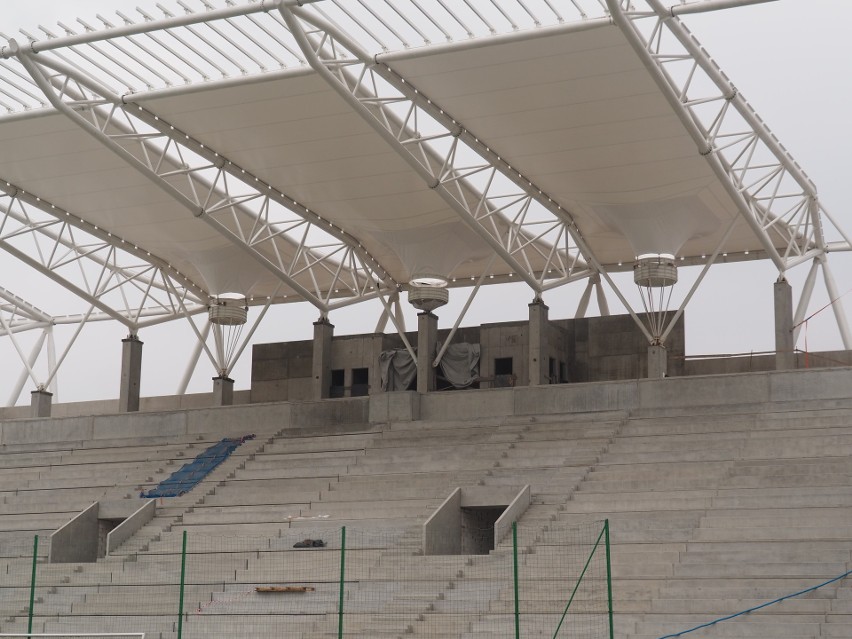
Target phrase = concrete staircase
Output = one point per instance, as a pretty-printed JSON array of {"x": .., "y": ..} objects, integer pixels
[{"x": 712, "y": 511}]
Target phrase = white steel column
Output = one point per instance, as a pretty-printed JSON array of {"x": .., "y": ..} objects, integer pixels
[{"x": 804, "y": 300}]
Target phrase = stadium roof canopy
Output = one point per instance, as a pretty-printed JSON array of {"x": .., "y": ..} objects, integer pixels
[{"x": 338, "y": 151}]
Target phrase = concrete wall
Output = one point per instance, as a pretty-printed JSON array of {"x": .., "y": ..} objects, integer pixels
[
  {"x": 110, "y": 406},
  {"x": 222, "y": 421},
  {"x": 442, "y": 531},
  {"x": 722, "y": 365},
  {"x": 282, "y": 371},
  {"x": 827, "y": 387},
  {"x": 513, "y": 513},
  {"x": 613, "y": 348},
  {"x": 589, "y": 349},
  {"x": 76, "y": 541},
  {"x": 127, "y": 528}
]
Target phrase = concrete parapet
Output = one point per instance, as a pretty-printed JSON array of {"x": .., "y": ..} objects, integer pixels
[
  {"x": 398, "y": 406},
  {"x": 40, "y": 403},
  {"x": 126, "y": 529},
  {"x": 442, "y": 531},
  {"x": 466, "y": 405},
  {"x": 76, "y": 541},
  {"x": 513, "y": 513}
]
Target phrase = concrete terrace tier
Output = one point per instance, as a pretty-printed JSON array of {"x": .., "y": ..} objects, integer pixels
[{"x": 722, "y": 493}]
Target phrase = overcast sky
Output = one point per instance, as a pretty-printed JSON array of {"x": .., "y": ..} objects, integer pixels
[{"x": 789, "y": 58}]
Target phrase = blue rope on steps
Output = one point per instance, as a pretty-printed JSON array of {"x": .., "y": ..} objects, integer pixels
[{"x": 763, "y": 605}]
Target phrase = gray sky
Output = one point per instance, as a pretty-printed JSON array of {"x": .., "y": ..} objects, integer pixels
[{"x": 789, "y": 58}]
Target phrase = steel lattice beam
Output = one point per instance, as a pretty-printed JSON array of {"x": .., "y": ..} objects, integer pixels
[
  {"x": 771, "y": 191},
  {"x": 543, "y": 245},
  {"x": 123, "y": 281},
  {"x": 318, "y": 260}
]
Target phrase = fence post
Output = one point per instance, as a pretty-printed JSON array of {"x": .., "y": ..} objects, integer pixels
[
  {"x": 182, "y": 582},
  {"x": 32, "y": 586},
  {"x": 608, "y": 578},
  {"x": 515, "y": 572},
  {"x": 342, "y": 577}
]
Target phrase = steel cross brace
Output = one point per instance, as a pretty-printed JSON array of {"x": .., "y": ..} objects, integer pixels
[
  {"x": 544, "y": 247},
  {"x": 771, "y": 191},
  {"x": 82, "y": 258},
  {"x": 316, "y": 259}
]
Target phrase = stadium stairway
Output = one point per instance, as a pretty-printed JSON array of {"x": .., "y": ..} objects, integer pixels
[{"x": 712, "y": 511}]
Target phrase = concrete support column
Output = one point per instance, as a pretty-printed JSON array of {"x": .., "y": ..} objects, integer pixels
[
  {"x": 427, "y": 342},
  {"x": 538, "y": 365},
  {"x": 321, "y": 366},
  {"x": 40, "y": 403},
  {"x": 223, "y": 391},
  {"x": 131, "y": 374},
  {"x": 785, "y": 357},
  {"x": 657, "y": 361}
]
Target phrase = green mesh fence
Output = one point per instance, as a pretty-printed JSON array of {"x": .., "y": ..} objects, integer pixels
[{"x": 316, "y": 582}]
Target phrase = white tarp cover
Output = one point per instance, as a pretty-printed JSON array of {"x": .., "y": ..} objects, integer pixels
[
  {"x": 398, "y": 369},
  {"x": 459, "y": 366}
]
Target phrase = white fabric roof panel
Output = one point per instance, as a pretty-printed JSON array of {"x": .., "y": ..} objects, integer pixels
[
  {"x": 301, "y": 137},
  {"x": 580, "y": 116},
  {"x": 574, "y": 111},
  {"x": 54, "y": 159}
]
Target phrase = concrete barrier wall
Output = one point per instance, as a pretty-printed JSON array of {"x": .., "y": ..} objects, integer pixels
[
  {"x": 110, "y": 406},
  {"x": 442, "y": 531},
  {"x": 126, "y": 529},
  {"x": 513, "y": 513},
  {"x": 223, "y": 422},
  {"x": 76, "y": 541},
  {"x": 673, "y": 393},
  {"x": 831, "y": 386}
]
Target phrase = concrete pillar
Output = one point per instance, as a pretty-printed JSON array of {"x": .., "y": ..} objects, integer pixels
[
  {"x": 785, "y": 357},
  {"x": 427, "y": 342},
  {"x": 131, "y": 374},
  {"x": 657, "y": 361},
  {"x": 538, "y": 365},
  {"x": 223, "y": 391},
  {"x": 40, "y": 403},
  {"x": 321, "y": 365}
]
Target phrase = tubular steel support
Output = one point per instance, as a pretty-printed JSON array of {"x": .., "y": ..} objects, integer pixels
[
  {"x": 836, "y": 304},
  {"x": 463, "y": 312},
  {"x": 804, "y": 300}
]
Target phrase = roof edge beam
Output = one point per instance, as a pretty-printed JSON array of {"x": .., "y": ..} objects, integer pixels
[
  {"x": 702, "y": 6},
  {"x": 264, "y": 6}
]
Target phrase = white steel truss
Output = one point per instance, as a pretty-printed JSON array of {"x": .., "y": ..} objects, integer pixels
[
  {"x": 73, "y": 71},
  {"x": 774, "y": 195},
  {"x": 123, "y": 281},
  {"x": 319, "y": 261},
  {"x": 526, "y": 228}
]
